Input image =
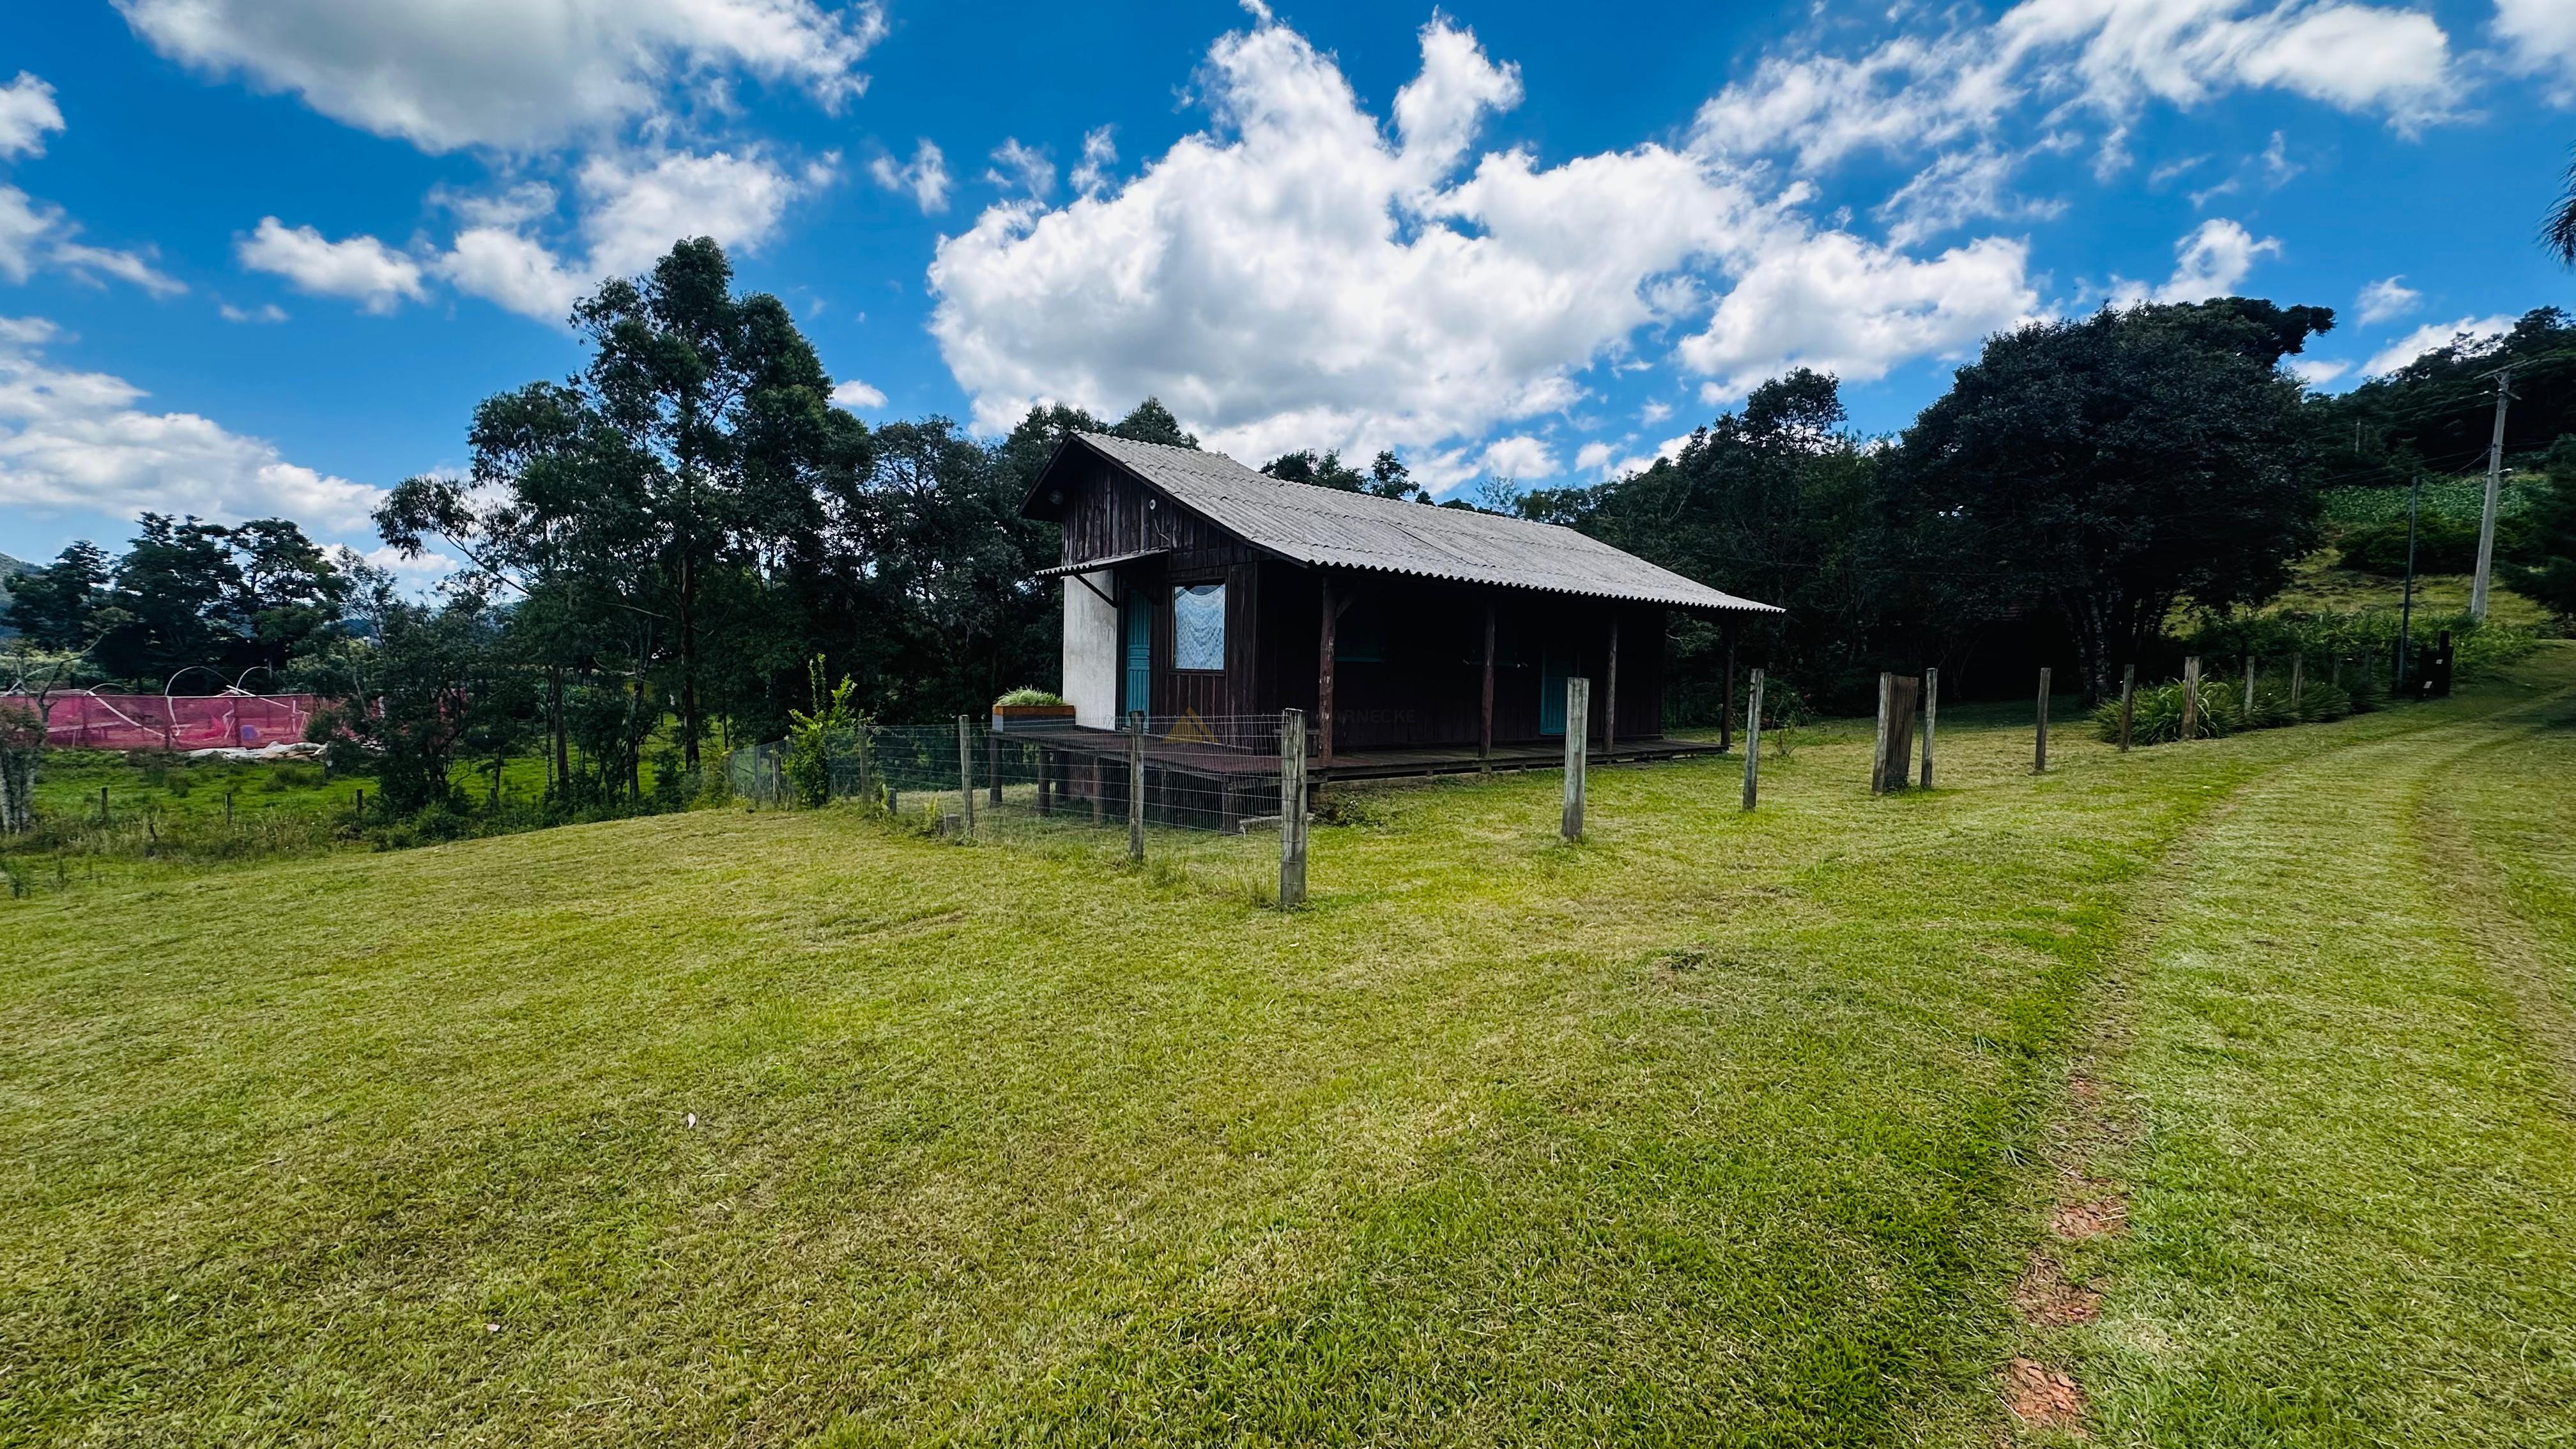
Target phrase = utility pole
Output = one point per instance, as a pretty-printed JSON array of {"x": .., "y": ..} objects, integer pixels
[
  {"x": 2406, "y": 613},
  {"x": 2495, "y": 487}
]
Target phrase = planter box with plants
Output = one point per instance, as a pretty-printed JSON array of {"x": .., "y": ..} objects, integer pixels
[{"x": 1028, "y": 709}]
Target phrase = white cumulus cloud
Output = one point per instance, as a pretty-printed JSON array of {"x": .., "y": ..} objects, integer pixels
[
  {"x": 516, "y": 271},
  {"x": 924, "y": 178},
  {"x": 511, "y": 74},
  {"x": 2388, "y": 297},
  {"x": 1836, "y": 303},
  {"x": 1304, "y": 274},
  {"x": 359, "y": 268},
  {"x": 2467, "y": 334},
  {"x": 76, "y": 441},
  {"x": 1518, "y": 456},
  {"x": 1099, "y": 153},
  {"x": 633, "y": 207},
  {"x": 1025, "y": 167},
  {"x": 27, "y": 112},
  {"x": 857, "y": 396},
  {"x": 1917, "y": 91},
  {"x": 36, "y": 235},
  {"x": 2209, "y": 262},
  {"x": 2540, "y": 38},
  {"x": 1958, "y": 188}
]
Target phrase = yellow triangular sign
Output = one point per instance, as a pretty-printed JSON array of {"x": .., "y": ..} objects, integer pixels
[{"x": 1191, "y": 728}]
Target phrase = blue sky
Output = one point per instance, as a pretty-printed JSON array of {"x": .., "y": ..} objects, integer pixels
[{"x": 263, "y": 256}]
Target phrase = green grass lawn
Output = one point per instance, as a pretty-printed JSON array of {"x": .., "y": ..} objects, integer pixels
[{"x": 796, "y": 1127}]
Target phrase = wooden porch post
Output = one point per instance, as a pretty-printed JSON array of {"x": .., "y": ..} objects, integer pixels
[
  {"x": 1485, "y": 740},
  {"x": 1610, "y": 690},
  {"x": 1726, "y": 717},
  {"x": 1324, "y": 681}
]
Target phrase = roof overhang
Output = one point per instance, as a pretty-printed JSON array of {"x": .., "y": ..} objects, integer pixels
[{"x": 1093, "y": 565}]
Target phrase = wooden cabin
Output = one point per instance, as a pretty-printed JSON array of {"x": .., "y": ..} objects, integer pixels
[{"x": 1414, "y": 636}]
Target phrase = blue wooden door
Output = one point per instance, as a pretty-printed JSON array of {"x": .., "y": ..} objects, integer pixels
[
  {"x": 1136, "y": 679},
  {"x": 1554, "y": 666}
]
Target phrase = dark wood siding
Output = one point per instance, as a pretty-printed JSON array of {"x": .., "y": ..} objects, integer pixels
[
  {"x": 1429, "y": 688},
  {"x": 1426, "y": 690},
  {"x": 1107, "y": 513}
]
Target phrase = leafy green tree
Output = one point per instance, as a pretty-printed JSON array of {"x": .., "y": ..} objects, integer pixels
[
  {"x": 953, "y": 566},
  {"x": 1387, "y": 475},
  {"x": 436, "y": 687},
  {"x": 697, "y": 445},
  {"x": 60, "y": 606},
  {"x": 290, "y": 596},
  {"x": 2558, "y": 230},
  {"x": 1775, "y": 502},
  {"x": 2109, "y": 465},
  {"x": 1151, "y": 422},
  {"x": 1034, "y": 439},
  {"x": 2546, "y": 570},
  {"x": 173, "y": 601},
  {"x": 2436, "y": 414},
  {"x": 1328, "y": 471}
]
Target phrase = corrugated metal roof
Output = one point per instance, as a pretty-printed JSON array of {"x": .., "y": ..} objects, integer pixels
[{"x": 1327, "y": 527}]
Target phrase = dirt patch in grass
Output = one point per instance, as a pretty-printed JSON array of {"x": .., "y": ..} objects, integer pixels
[
  {"x": 2041, "y": 1397},
  {"x": 2078, "y": 1221},
  {"x": 2046, "y": 1299}
]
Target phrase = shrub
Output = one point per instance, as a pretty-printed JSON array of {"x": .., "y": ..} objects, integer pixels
[
  {"x": 2483, "y": 652},
  {"x": 2156, "y": 716},
  {"x": 814, "y": 739},
  {"x": 1026, "y": 695},
  {"x": 2442, "y": 546}
]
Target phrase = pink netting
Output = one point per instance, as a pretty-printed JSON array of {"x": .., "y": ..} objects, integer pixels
[{"x": 86, "y": 721}]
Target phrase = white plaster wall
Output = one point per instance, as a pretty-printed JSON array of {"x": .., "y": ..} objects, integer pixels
[{"x": 1091, "y": 651}]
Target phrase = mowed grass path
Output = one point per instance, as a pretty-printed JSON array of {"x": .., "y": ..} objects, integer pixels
[
  {"x": 1716, "y": 1129},
  {"x": 2345, "y": 1064}
]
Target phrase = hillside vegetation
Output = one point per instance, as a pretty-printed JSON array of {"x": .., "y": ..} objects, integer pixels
[{"x": 2212, "y": 1094}]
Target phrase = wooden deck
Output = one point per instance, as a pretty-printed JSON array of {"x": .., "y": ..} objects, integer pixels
[
  {"x": 1203, "y": 784},
  {"x": 1217, "y": 761}
]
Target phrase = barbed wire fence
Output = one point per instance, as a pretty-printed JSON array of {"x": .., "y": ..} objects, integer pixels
[{"x": 1219, "y": 798}]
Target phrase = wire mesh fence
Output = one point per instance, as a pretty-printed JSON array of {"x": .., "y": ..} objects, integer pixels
[{"x": 1187, "y": 792}]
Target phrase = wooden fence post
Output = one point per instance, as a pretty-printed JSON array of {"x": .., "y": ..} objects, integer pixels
[
  {"x": 966, "y": 771},
  {"x": 1136, "y": 785},
  {"x": 1878, "y": 747},
  {"x": 361, "y": 807},
  {"x": 102, "y": 804},
  {"x": 1578, "y": 716},
  {"x": 2249, "y": 687},
  {"x": 2298, "y": 679},
  {"x": 1931, "y": 717},
  {"x": 2191, "y": 696},
  {"x": 1753, "y": 742},
  {"x": 2039, "y": 754},
  {"x": 1292, "y": 808},
  {"x": 2128, "y": 702},
  {"x": 228, "y": 810}
]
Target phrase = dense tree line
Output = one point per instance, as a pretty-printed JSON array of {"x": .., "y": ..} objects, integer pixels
[
  {"x": 2078, "y": 479},
  {"x": 186, "y": 594},
  {"x": 2436, "y": 415},
  {"x": 657, "y": 550}
]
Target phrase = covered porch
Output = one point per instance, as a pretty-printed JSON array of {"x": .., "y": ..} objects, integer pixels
[{"x": 1219, "y": 773}]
